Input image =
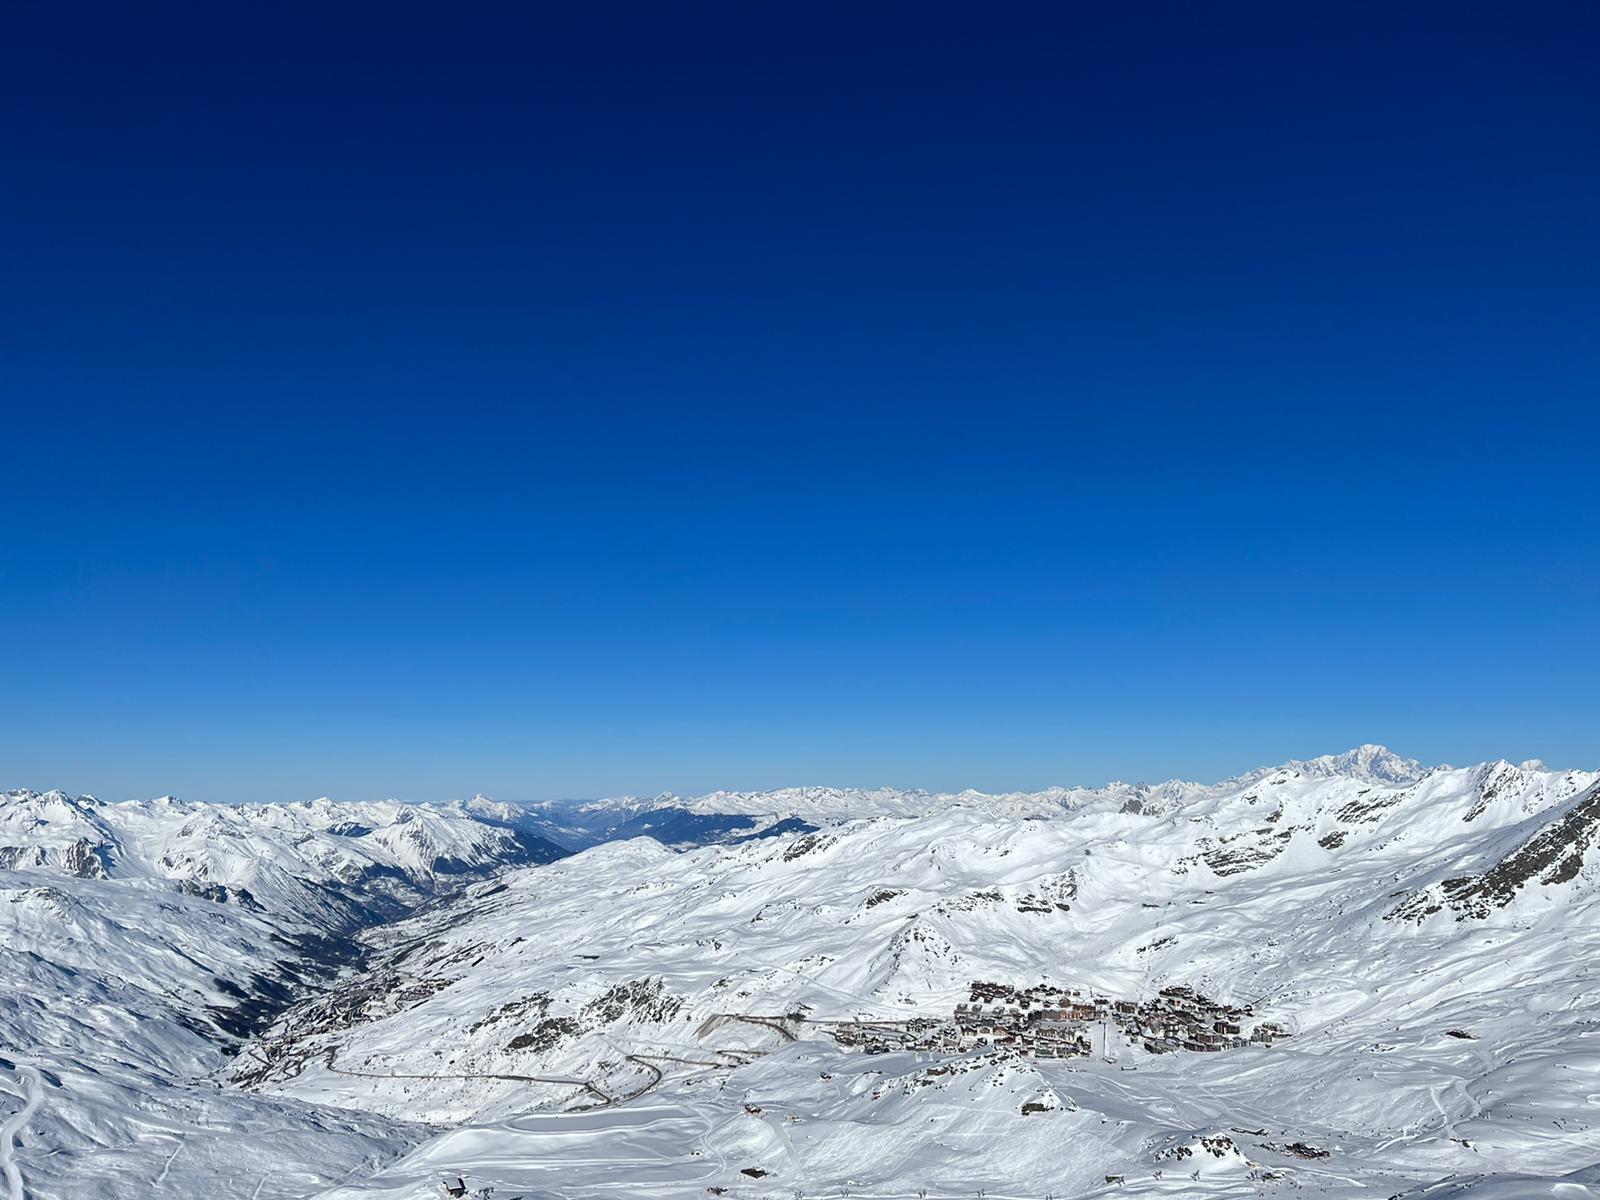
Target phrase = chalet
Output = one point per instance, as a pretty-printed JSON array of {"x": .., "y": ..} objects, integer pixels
[{"x": 458, "y": 1188}]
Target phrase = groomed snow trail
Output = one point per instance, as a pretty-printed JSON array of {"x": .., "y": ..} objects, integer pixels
[{"x": 29, "y": 1089}]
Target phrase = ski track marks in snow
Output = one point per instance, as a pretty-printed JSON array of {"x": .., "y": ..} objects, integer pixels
[{"x": 29, "y": 1090}]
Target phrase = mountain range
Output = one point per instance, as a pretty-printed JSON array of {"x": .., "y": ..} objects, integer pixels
[{"x": 1349, "y": 976}]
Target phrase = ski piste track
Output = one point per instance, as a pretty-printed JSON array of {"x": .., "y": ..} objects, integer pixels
[
  {"x": 602, "y": 1098},
  {"x": 29, "y": 1089}
]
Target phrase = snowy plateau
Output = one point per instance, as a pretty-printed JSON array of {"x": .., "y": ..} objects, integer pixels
[{"x": 1353, "y": 976}]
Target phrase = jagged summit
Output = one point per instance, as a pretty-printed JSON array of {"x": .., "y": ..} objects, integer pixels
[{"x": 1370, "y": 762}]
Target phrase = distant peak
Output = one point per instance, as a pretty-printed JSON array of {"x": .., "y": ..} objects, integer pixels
[{"x": 1370, "y": 762}]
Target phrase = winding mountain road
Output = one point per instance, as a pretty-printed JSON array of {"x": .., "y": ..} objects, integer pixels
[
  {"x": 605, "y": 1098},
  {"x": 29, "y": 1090}
]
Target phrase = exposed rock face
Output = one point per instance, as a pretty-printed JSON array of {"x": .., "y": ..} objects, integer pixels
[
  {"x": 83, "y": 858},
  {"x": 1252, "y": 849},
  {"x": 1555, "y": 854},
  {"x": 86, "y": 860}
]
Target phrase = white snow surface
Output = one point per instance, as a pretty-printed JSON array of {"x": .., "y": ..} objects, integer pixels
[
  {"x": 640, "y": 1021},
  {"x": 132, "y": 934},
  {"x": 1367, "y": 764},
  {"x": 286, "y": 856}
]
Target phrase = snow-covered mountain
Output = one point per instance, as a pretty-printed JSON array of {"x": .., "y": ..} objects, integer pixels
[
  {"x": 314, "y": 859},
  {"x": 1351, "y": 976},
  {"x": 733, "y": 816},
  {"x": 707, "y": 989},
  {"x": 137, "y": 940}
]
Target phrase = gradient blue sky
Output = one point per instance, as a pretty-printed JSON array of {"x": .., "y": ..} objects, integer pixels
[{"x": 418, "y": 402}]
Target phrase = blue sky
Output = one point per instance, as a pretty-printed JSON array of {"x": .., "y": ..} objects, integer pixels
[{"x": 569, "y": 405}]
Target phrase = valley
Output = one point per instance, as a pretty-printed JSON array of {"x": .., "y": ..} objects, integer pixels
[{"x": 1278, "y": 984}]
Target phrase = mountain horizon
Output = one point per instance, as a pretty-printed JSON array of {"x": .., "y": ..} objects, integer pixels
[
  {"x": 800, "y": 602},
  {"x": 790, "y": 980}
]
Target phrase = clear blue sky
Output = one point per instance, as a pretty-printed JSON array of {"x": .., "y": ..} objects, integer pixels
[{"x": 420, "y": 401}]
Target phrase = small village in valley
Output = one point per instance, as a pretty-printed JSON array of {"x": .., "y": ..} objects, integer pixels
[{"x": 1045, "y": 1021}]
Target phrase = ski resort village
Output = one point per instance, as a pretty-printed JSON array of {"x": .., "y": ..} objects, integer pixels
[{"x": 1044, "y": 1021}]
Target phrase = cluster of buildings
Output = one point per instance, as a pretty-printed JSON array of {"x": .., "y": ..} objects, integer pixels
[
  {"x": 1045, "y": 1021},
  {"x": 1180, "y": 1018}
]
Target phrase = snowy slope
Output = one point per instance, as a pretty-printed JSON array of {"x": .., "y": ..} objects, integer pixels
[
  {"x": 110, "y": 991},
  {"x": 640, "y": 1019},
  {"x": 320, "y": 860},
  {"x": 135, "y": 939},
  {"x": 1424, "y": 934}
]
